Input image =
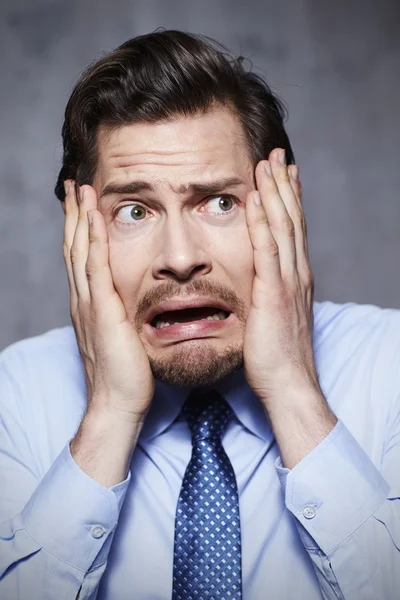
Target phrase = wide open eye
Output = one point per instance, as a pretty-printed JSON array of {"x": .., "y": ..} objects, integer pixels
[
  {"x": 220, "y": 204},
  {"x": 131, "y": 213}
]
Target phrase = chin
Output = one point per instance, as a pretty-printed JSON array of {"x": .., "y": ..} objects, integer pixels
[{"x": 197, "y": 365}]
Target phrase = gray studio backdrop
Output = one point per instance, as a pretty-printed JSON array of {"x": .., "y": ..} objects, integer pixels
[{"x": 336, "y": 64}]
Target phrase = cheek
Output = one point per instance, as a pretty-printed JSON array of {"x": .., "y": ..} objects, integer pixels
[
  {"x": 236, "y": 257},
  {"x": 243, "y": 250},
  {"x": 125, "y": 269}
]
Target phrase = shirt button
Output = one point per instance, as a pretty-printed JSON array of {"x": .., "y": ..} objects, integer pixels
[
  {"x": 97, "y": 531},
  {"x": 309, "y": 512}
]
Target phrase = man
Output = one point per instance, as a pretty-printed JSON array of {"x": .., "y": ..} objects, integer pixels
[{"x": 195, "y": 435}]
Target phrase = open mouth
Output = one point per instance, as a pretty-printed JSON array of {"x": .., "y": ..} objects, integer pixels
[{"x": 189, "y": 315}]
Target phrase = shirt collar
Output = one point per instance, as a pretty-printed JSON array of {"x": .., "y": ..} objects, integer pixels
[{"x": 168, "y": 401}]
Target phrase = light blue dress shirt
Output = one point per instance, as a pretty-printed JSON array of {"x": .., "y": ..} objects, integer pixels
[{"x": 329, "y": 528}]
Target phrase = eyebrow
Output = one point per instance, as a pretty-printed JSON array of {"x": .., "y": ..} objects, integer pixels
[{"x": 134, "y": 187}]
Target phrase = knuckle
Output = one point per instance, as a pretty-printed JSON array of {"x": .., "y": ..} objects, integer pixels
[
  {"x": 297, "y": 214},
  {"x": 272, "y": 247},
  {"x": 308, "y": 277},
  {"x": 299, "y": 221},
  {"x": 89, "y": 270},
  {"x": 300, "y": 193},
  {"x": 73, "y": 256},
  {"x": 73, "y": 315},
  {"x": 262, "y": 219},
  {"x": 302, "y": 220},
  {"x": 65, "y": 251},
  {"x": 287, "y": 226}
]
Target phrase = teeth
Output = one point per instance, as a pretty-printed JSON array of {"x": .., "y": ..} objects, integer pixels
[
  {"x": 162, "y": 324},
  {"x": 219, "y": 316}
]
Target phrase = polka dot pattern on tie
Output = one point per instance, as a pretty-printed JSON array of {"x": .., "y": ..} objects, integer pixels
[{"x": 207, "y": 549}]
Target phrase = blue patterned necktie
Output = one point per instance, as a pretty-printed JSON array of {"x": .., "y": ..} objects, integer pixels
[{"x": 207, "y": 550}]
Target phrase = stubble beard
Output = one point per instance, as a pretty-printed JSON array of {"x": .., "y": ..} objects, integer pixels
[{"x": 196, "y": 362}]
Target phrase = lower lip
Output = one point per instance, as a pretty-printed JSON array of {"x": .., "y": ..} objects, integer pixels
[{"x": 188, "y": 331}]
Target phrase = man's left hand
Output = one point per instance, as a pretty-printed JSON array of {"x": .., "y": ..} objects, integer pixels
[
  {"x": 278, "y": 352},
  {"x": 278, "y": 338}
]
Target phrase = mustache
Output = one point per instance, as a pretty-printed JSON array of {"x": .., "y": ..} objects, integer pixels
[{"x": 198, "y": 287}]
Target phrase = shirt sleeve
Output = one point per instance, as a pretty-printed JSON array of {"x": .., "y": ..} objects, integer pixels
[
  {"x": 55, "y": 531},
  {"x": 348, "y": 515}
]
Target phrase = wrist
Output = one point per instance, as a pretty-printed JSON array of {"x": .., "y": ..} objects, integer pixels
[
  {"x": 117, "y": 406},
  {"x": 305, "y": 405},
  {"x": 105, "y": 414},
  {"x": 300, "y": 419},
  {"x": 104, "y": 444},
  {"x": 292, "y": 390}
]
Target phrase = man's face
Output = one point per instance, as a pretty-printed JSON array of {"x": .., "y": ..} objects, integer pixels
[{"x": 173, "y": 198}]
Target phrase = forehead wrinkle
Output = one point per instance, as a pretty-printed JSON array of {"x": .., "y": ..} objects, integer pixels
[
  {"x": 153, "y": 158},
  {"x": 160, "y": 151}
]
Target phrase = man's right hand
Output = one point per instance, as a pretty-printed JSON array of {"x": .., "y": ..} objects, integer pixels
[{"x": 120, "y": 384}]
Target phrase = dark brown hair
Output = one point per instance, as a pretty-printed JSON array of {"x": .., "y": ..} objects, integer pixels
[{"x": 156, "y": 77}]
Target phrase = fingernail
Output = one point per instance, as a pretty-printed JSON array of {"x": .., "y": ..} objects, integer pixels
[
  {"x": 282, "y": 157},
  {"x": 67, "y": 185},
  {"x": 257, "y": 198},
  {"x": 294, "y": 171},
  {"x": 268, "y": 169}
]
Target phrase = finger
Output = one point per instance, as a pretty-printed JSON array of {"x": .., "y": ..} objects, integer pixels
[
  {"x": 294, "y": 209},
  {"x": 285, "y": 184},
  {"x": 98, "y": 271},
  {"x": 279, "y": 220},
  {"x": 266, "y": 252},
  {"x": 79, "y": 251},
  {"x": 293, "y": 171},
  {"x": 295, "y": 182},
  {"x": 297, "y": 189},
  {"x": 70, "y": 221}
]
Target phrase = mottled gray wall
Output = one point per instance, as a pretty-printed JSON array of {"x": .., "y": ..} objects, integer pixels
[{"x": 336, "y": 64}]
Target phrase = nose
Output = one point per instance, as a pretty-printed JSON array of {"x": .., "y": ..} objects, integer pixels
[{"x": 181, "y": 255}]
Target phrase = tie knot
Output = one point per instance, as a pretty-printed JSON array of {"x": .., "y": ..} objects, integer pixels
[{"x": 207, "y": 415}]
